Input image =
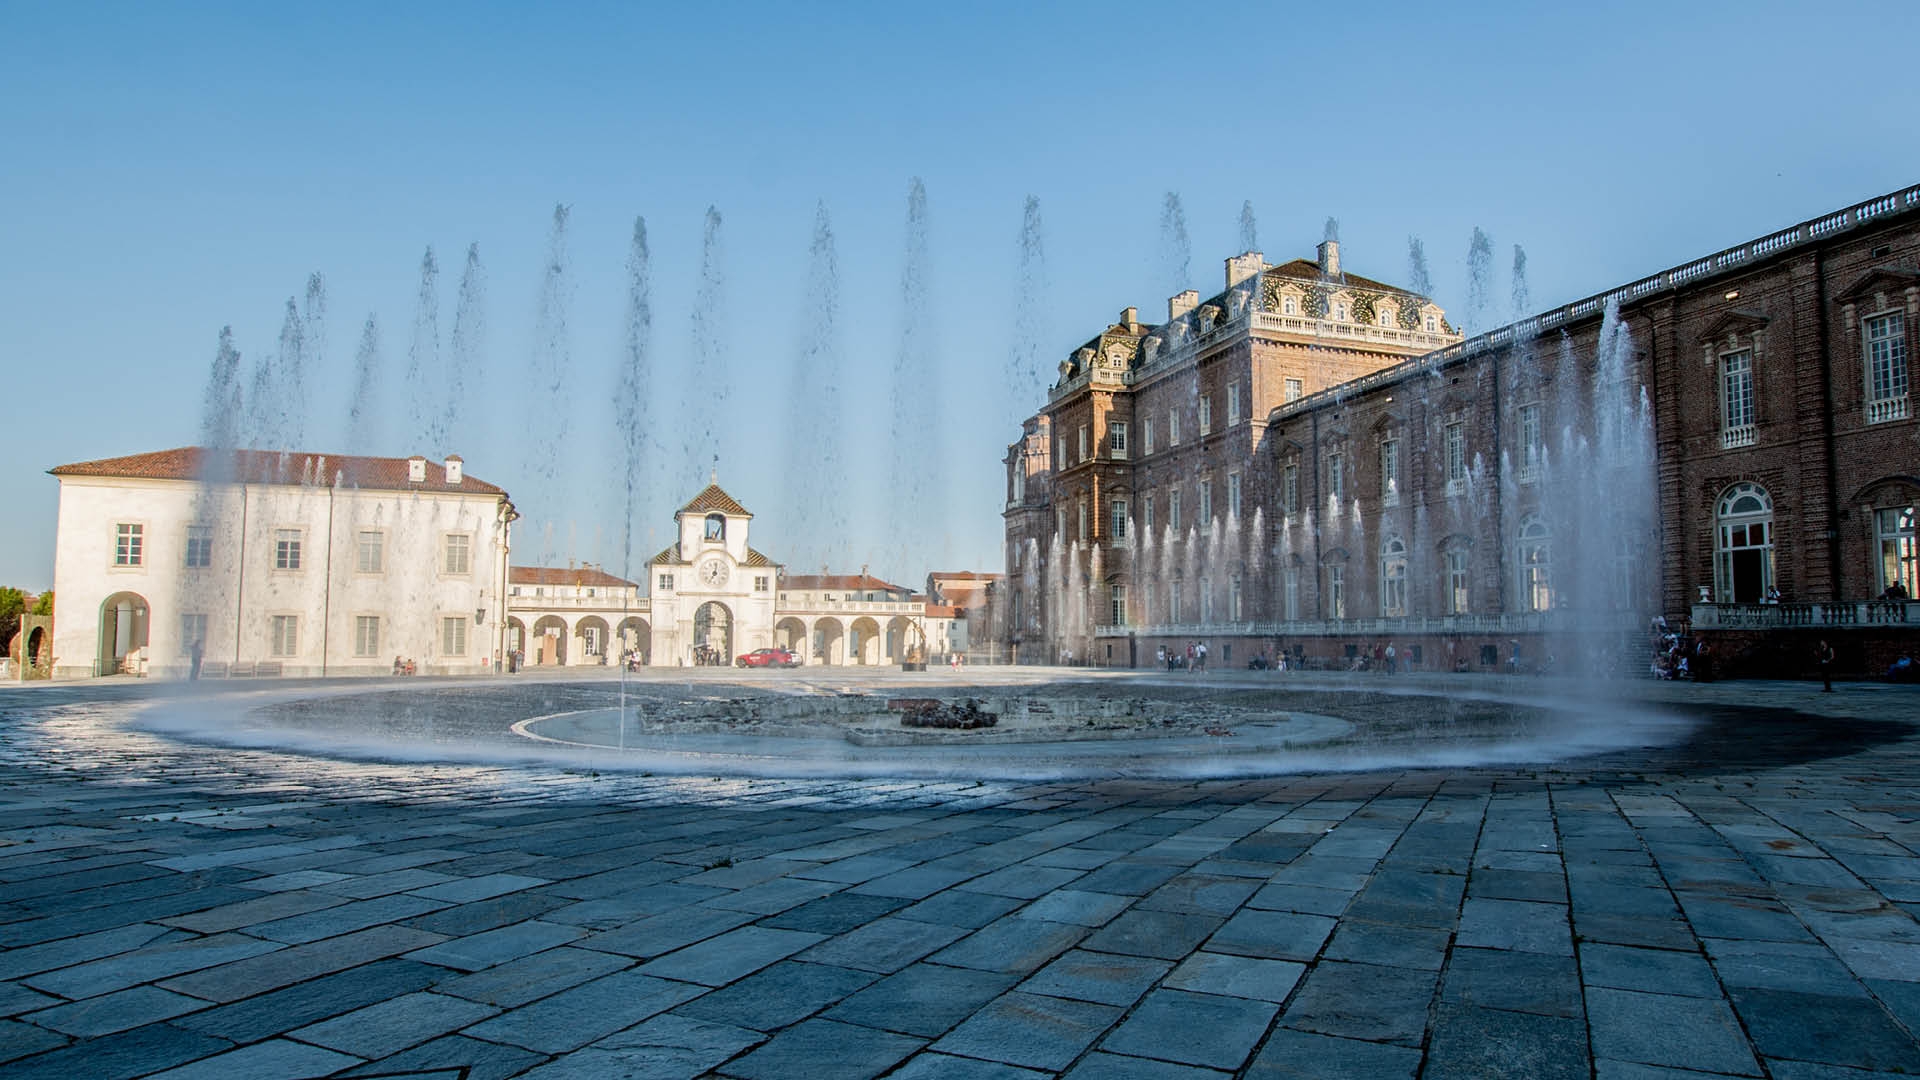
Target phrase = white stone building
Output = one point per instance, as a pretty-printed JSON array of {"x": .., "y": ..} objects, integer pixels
[{"x": 278, "y": 564}]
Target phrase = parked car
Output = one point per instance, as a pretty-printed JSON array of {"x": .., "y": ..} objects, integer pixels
[{"x": 766, "y": 658}]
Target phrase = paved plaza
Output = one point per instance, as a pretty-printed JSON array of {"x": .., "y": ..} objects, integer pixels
[{"x": 1740, "y": 906}]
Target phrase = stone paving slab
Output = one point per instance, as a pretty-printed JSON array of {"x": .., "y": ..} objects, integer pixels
[{"x": 1732, "y": 911}]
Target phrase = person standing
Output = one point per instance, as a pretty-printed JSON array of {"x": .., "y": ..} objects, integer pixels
[
  {"x": 1823, "y": 655},
  {"x": 195, "y": 655},
  {"x": 1392, "y": 659}
]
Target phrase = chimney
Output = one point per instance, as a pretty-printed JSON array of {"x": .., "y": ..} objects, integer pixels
[
  {"x": 1130, "y": 318},
  {"x": 454, "y": 470},
  {"x": 1330, "y": 258},
  {"x": 1181, "y": 303},
  {"x": 416, "y": 470},
  {"x": 1242, "y": 267}
]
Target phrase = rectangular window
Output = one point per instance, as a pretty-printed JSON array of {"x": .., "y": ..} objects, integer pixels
[
  {"x": 1295, "y": 389},
  {"x": 366, "y": 635},
  {"x": 193, "y": 630},
  {"x": 760, "y": 583},
  {"x": 1117, "y": 606},
  {"x": 1206, "y": 414},
  {"x": 1736, "y": 399},
  {"x": 453, "y": 637},
  {"x": 1206, "y": 600},
  {"x": 370, "y": 552},
  {"x": 1899, "y": 559},
  {"x": 1173, "y": 510},
  {"x": 286, "y": 549},
  {"x": 1457, "y": 582},
  {"x": 1886, "y": 367},
  {"x": 1060, "y": 523},
  {"x": 199, "y": 547},
  {"x": 1293, "y": 592},
  {"x": 1173, "y": 601},
  {"x": 1117, "y": 437},
  {"x": 1233, "y": 496},
  {"x": 459, "y": 556},
  {"x": 284, "y": 635},
  {"x": 1456, "y": 452},
  {"x": 1531, "y": 446},
  {"x": 1146, "y": 435},
  {"x": 1206, "y": 503},
  {"x": 1083, "y": 442},
  {"x": 1337, "y": 477},
  {"x": 1083, "y": 519},
  {"x": 666, "y": 582},
  {"x": 129, "y": 543},
  {"x": 1233, "y": 403},
  {"x": 1059, "y": 455},
  {"x": 1390, "y": 470},
  {"x": 1173, "y": 427},
  {"x": 1118, "y": 532},
  {"x": 1233, "y": 599},
  {"x": 1290, "y": 490},
  {"x": 1146, "y": 515},
  {"x": 1336, "y": 592}
]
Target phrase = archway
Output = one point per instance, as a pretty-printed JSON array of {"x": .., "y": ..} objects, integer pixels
[
  {"x": 636, "y": 636},
  {"x": 30, "y": 652},
  {"x": 713, "y": 632},
  {"x": 790, "y": 634},
  {"x": 863, "y": 641},
  {"x": 516, "y": 635},
  {"x": 829, "y": 642},
  {"x": 549, "y": 640},
  {"x": 123, "y": 630},
  {"x": 592, "y": 638},
  {"x": 903, "y": 634}
]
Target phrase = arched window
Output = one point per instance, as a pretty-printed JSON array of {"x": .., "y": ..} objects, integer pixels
[
  {"x": 1898, "y": 562},
  {"x": 1289, "y": 306},
  {"x": 1536, "y": 564},
  {"x": 1743, "y": 545},
  {"x": 1393, "y": 578},
  {"x": 716, "y": 527}
]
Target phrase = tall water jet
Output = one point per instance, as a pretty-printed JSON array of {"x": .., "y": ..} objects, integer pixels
[
  {"x": 636, "y": 378},
  {"x": 1522, "y": 299},
  {"x": 1249, "y": 232},
  {"x": 916, "y": 455},
  {"x": 363, "y": 407},
  {"x": 1023, "y": 380},
  {"x": 550, "y": 418},
  {"x": 1331, "y": 231},
  {"x": 813, "y": 402},
  {"x": 313, "y": 332},
  {"x": 1176, "y": 250},
  {"x": 289, "y": 412},
  {"x": 1479, "y": 281},
  {"x": 423, "y": 357},
  {"x": 220, "y": 414},
  {"x": 466, "y": 359},
  {"x": 1419, "y": 280},
  {"x": 707, "y": 386}
]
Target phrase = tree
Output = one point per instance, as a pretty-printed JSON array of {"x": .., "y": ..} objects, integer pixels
[
  {"x": 13, "y": 604},
  {"x": 44, "y": 605}
]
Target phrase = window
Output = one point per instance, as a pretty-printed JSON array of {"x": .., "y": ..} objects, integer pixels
[
  {"x": 453, "y": 637},
  {"x": 1083, "y": 442},
  {"x": 1206, "y": 600},
  {"x": 1060, "y": 455},
  {"x": 366, "y": 635},
  {"x": 1118, "y": 522},
  {"x": 1082, "y": 505},
  {"x": 1289, "y": 306},
  {"x": 1457, "y": 581},
  {"x": 1146, "y": 514},
  {"x": 199, "y": 547},
  {"x": 666, "y": 582},
  {"x": 1173, "y": 510},
  {"x": 193, "y": 630},
  {"x": 128, "y": 544},
  {"x": 1531, "y": 447},
  {"x": 1292, "y": 592},
  {"x": 284, "y": 635},
  {"x": 761, "y": 582},
  {"x": 286, "y": 549},
  {"x": 1886, "y": 367},
  {"x": 1393, "y": 578},
  {"x": 1736, "y": 399},
  {"x": 1233, "y": 598},
  {"x": 1536, "y": 564},
  {"x": 1897, "y": 553},
  {"x": 1743, "y": 548},
  {"x": 1295, "y": 389},
  {"x": 1233, "y": 403},
  {"x": 1060, "y": 523},
  {"x": 1336, "y": 592},
  {"x": 1117, "y": 605},
  {"x": 1019, "y": 473},
  {"x": 1206, "y": 414},
  {"x": 1173, "y": 427},
  {"x": 370, "y": 552},
  {"x": 459, "y": 555},
  {"x": 1432, "y": 324},
  {"x": 1390, "y": 471},
  {"x": 1146, "y": 435},
  {"x": 1336, "y": 477},
  {"x": 1233, "y": 496},
  {"x": 1173, "y": 600},
  {"x": 1117, "y": 437},
  {"x": 1340, "y": 311},
  {"x": 1206, "y": 503},
  {"x": 1384, "y": 316},
  {"x": 1290, "y": 490},
  {"x": 1456, "y": 443}
]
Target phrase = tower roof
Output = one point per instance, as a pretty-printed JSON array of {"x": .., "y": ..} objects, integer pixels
[{"x": 713, "y": 500}]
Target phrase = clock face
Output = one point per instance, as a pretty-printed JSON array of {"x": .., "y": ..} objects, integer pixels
[{"x": 714, "y": 572}]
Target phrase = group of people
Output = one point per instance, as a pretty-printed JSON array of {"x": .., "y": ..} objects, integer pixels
[
  {"x": 405, "y": 667},
  {"x": 1194, "y": 659}
]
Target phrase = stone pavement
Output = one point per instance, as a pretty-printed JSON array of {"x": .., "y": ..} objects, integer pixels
[{"x": 184, "y": 912}]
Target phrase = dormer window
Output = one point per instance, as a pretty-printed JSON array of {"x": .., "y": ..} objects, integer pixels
[
  {"x": 716, "y": 528},
  {"x": 1433, "y": 324},
  {"x": 1289, "y": 306}
]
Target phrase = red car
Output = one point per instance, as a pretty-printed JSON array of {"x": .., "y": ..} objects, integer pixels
[{"x": 766, "y": 658}]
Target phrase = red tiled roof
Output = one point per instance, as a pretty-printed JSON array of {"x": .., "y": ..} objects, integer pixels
[
  {"x": 564, "y": 575},
  {"x": 965, "y": 575},
  {"x": 671, "y": 557},
  {"x": 713, "y": 500},
  {"x": 278, "y": 467},
  {"x": 843, "y": 582},
  {"x": 942, "y": 611}
]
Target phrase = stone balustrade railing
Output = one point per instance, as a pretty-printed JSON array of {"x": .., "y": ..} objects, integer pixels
[
  {"x": 1838, "y": 614},
  {"x": 1532, "y": 622}
]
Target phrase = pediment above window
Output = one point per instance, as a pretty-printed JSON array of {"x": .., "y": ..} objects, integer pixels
[
  {"x": 1734, "y": 325},
  {"x": 1881, "y": 279}
]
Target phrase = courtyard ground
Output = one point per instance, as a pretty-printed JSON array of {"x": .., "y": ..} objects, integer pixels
[{"x": 1746, "y": 908}]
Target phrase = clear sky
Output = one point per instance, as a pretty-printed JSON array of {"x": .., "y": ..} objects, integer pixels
[{"x": 167, "y": 169}]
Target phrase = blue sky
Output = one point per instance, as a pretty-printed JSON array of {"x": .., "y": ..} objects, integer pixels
[{"x": 170, "y": 169}]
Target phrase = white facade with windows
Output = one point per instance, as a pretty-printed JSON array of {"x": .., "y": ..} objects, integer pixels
[{"x": 277, "y": 564}]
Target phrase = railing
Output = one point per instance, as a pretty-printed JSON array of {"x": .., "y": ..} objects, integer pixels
[
  {"x": 1885, "y": 409},
  {"x": 1531, "y": 622},
  {"x": 524, "y": 602},
  {"x": 1372, "y": 333},
  {"x": 1851, "y": 614},
  {"x": 1741, "y": 435}
]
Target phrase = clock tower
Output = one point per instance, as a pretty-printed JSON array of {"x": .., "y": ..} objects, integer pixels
[{"x": 711, "y": 594}]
